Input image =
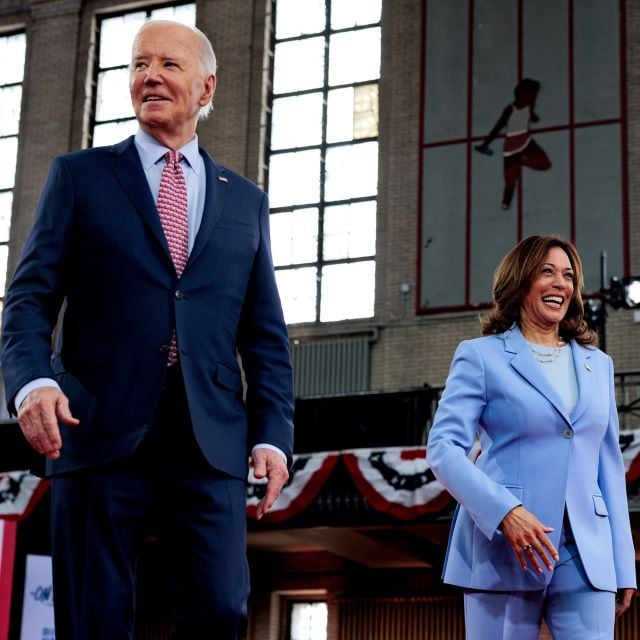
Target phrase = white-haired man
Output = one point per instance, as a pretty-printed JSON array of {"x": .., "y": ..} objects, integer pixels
[{"x": 162, "y": 259}]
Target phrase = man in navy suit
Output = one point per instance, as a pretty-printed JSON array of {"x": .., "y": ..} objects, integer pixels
[{"x": 128, "y": 435}]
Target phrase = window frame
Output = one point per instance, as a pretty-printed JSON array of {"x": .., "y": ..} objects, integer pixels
[
  {"x": 7, "y": 243},
  {"x": 291, "y": 600},
  {"x": 324, "y": 147},
  {"x": 97, "y": 69}
]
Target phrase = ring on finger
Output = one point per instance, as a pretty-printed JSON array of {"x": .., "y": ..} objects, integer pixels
[{"x": 527, "y": 547}]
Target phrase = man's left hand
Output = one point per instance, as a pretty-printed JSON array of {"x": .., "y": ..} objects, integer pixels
[{"x": 269, "y": 464}]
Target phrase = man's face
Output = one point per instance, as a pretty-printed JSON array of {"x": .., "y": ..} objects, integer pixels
[{"x": 167, "y": 82}]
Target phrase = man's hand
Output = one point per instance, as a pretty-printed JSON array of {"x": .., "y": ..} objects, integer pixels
[
  {"x": 38, "y": 418},
  {"x": 528, "y": 539},
  {"x": 269, "y": 464}
]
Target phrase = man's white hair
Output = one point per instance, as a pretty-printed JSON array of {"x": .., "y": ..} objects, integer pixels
[{"x": 206, "y": 55}]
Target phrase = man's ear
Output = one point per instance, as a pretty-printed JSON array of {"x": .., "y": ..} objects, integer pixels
[{"x": 209, "y": 90}]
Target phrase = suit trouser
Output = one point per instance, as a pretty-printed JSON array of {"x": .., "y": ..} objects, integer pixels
[
  {"x": 101, "y": 516},
  {"x": 571, "y": 607}
]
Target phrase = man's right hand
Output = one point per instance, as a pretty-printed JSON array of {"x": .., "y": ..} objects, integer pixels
[{"x": 38, "y": 417}]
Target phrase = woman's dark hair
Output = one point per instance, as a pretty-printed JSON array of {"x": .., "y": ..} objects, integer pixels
[
  {"x": 513, "y": 279},
  {"x": 526, "y": 85}
]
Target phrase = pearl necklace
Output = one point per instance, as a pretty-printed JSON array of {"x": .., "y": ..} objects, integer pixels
[{"x": 547, "y": 356}]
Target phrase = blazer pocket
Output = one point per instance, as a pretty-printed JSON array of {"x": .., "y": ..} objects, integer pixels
[
  {"x": 81, "y": 402},
  {"x": 599, "y": 506},
  {"x": 229, "y": 377},
  {"x": 240, "y": 227}
]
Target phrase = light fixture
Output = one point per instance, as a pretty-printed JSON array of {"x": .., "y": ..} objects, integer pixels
[
  {"x": 623, "y": 292},
  {"x": 632, "y": 292}
]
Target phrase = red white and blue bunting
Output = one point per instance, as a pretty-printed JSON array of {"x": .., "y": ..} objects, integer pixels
[
  {"x": 19, "y": 494},
  {"x": 630, "y": 446},
  {"x": 396, "y": 481}
]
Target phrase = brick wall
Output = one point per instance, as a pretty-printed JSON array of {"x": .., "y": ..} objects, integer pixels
[{"x": 411, "y": 350}]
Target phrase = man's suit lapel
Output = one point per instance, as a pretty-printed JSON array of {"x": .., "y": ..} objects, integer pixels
[
  {"x": 586, "y": 379},
  {"x": 217, "y": 189},
  {"x": 125, "y": 164},
  {"x": 525, "y": 364}
]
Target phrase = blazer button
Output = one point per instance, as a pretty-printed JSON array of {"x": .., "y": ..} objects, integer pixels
[
  {"x": 178, "y": 295},
  {"x": 568, "y": 433},
  {"x": 164, "y": 348}
]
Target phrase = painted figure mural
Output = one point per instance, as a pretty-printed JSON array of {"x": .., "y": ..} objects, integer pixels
[{"x": 520, "y": 149}]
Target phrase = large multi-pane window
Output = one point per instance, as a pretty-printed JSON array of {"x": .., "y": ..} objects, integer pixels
[
  {"x": 12, "y": 52},
  {"x": 113, "y": 117},
  {"x": 323, "y": 157}
]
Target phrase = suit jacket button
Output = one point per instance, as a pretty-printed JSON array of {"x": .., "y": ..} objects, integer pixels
[
  {"x": 178, "y": 295},
  {"x": 164, "y": 348},
  {"x": 568, "y": 433}
]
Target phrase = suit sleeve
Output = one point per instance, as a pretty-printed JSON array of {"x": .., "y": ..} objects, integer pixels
[
  {"x": 611, "y": 480},
  {"x": 35, "y": 295},
  {"x": 263, "y": 344},
  {"x": 452, "y": 436}
]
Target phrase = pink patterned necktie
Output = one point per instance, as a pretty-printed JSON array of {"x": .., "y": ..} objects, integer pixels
[{"x": 172, "y": 209}]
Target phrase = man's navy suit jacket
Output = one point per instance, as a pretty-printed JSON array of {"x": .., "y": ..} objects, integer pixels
[{"x": 98, "y": 247}]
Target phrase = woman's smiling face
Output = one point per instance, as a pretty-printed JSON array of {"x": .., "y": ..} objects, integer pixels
[{"x": 547, "y": 301}]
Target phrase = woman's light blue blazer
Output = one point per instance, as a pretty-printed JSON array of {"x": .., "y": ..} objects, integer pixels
[{"x": 534, "y": 454}]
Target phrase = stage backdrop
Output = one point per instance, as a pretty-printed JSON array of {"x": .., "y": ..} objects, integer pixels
[{"x": 475, "y": 52}]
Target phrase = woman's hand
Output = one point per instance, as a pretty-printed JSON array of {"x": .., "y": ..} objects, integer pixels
[
  {"x": 528, "y": 539},
  {"x": 623, "y": 600}
]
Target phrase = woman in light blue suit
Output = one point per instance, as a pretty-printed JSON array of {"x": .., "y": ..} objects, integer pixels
[{"x": 542, "y": 528}]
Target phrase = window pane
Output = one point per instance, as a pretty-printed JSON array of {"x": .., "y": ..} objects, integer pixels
[
  {"x": 298, "y": 65},
  {"x": 117, "y": 34},
  {"x": 297, "y": 121},
  {"x": 4, "y": 256},
  {"x": 294, "y": 236},
  {"x": 354, "y": 56},
  {"x": 113, "y": 98},
  {"x": 185, "y": 14},
  {"x": 309, "y": 621},
  {"x": 351, "y": 171},
  {"x": 116, "y": 38},
  {"x": 12, "y": 50},
  {"x": 352, "y": 113},
  {"x": 297, "y": 289},
  {"x": 6, "y": 200},
  {"x": 297, "y": 17},
  {"x": 350, "y": 231},
  {"x": 365, "y": 111},
  {"x": 340, "y": 115},
  {"x": 347, "y": 291},
  {"x": 294, "y": 178},
  {"x": 8, "y": 153},
  {"x": 10, "y": 98},
  {"x": 353, "y": 13},
  {"x": 112, "y": 132}
]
